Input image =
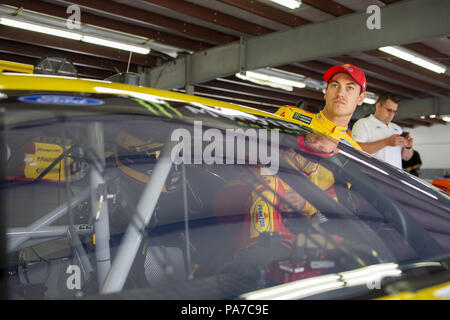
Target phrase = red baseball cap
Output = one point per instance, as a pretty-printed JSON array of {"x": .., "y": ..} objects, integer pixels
[{"x": 354, "y": 72}]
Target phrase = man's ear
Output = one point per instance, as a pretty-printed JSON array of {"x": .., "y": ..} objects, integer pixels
[
  {"x": 361, "y": 98},
  {"x": 377, "y": 106},
  {"x": 325, "y": 92}
]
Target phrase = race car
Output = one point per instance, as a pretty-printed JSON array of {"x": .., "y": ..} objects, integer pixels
[{"x": 117, "y": 191}]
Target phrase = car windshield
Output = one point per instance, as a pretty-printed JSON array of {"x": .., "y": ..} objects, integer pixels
[{"x": 160, "y": 199}]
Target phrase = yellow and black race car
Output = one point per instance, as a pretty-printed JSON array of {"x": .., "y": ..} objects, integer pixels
[{"x": 117, "y": 191}]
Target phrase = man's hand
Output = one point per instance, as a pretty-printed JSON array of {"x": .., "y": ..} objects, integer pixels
[
  {"x": 395, "y": 140},
  {"x": 409, "y": 141},
  {"x": 295, "y": 200},
  {"x": 407, "y": 150},
  {"x": 398, "y": 140}
]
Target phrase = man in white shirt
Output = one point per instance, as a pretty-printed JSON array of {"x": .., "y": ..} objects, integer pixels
[{"x": 377, "y": 135}]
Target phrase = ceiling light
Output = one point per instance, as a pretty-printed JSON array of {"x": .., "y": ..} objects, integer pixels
[
  {"x": 257, "y": 80},
  {"x": 446, "y": 118},
  {"x": 369, "y": 100},
  {"x": 39, "y": 28},
  {"x": 414, "y": 58},
  {"x": 73, "y": 35},
  {"x": 115, "y": 44},
  {"x": 291, "y": 4},
  {"x": 432, "y": 116},
  {"x": 273, "y": 78},
  {"x": 276, "y": 79}
]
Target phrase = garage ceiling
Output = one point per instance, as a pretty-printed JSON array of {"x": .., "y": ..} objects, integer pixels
[{"x": 207, "y": 30}]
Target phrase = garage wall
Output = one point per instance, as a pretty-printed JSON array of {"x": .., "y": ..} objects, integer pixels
[{"x": 433, "y": 144}]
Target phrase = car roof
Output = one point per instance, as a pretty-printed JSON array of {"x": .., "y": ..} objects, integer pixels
[{"x": 37, "y": 82}]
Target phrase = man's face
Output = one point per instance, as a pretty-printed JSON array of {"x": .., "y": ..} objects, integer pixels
[
  {"x": 385, "y": 112},
  {"x": 319, "y": 143},
  {"x": 342, "y": 95}
]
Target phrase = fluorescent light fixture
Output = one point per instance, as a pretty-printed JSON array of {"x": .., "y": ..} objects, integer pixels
[
  {"x": 432, "y": 116},
  {"x": 273, "y": 79},
  {"x": 291, "y": 4},
  {"x": 39, "y": 28},
  {"x": 369, "y": 100},
  {"x": 414, "y": 58},
  {"x": 115, "y": 44},
  {"x": 73, "y": 35}
]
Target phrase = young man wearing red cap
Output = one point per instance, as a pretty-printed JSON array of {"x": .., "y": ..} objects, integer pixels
[
  {"x": 346, "y": 86},
  {"x": 346, "y": 89}
]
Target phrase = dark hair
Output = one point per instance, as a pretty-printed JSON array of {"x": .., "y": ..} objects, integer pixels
[{"x": 385, "y": 96}]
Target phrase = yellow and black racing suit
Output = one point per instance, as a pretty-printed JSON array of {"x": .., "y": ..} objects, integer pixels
[{"x": 319, "y": 123}]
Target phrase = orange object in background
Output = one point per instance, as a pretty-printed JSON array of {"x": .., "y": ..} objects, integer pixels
[{"x": 443, "y": 184}]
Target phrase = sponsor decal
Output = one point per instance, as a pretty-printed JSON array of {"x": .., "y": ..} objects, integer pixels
[
  {"x": 61, "y": 100},
  {"x": 301, "y": 117},
  {"x": 159, "y": 109},
  {"x": 347, "y": 66},
  {"x": 261, "y": 217}
]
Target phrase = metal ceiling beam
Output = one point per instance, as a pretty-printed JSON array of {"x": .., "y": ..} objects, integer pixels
[
  {"x": 336, "y": 9},
  {"x": 213, "y": 16},
  {"x": 429, "y": 52},
  {"x": 36, "y": 52},
  {"x": 403, "y": 124},
  {"x": 390, "y": 74},
  {"x": 84, "y": 72},
  {"x": 309, "y": 42},
  {"x": 442, "y": 78},
  {"x": 371, "y": 81},
  {"x": 413, "y": 123},
  {"x": 287, "y": 97},
  {"x": 329, "y": 6},
  {"x": 267, "y": 11},
  {"x": 423, "y": 107},
  {"x": 68, "y": 45},
  {"x": 157, "y": 20},
  {"x": 100, "y": 21},
  {"x": 434, "y": 120},
  {"x": 417, "y": 122},
  {"x": 305, "y": 93},
  {"x": 390, "y": 1},
  {"x": 220, "y": 94}
]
